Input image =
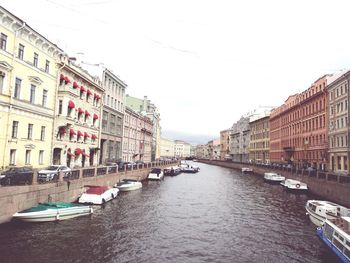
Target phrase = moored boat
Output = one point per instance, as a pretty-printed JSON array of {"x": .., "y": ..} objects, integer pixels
[
  {"x": 319, "y": 210},
  {"x": 273, "y": 178},
  {"x": 172, "y": 171},
  {"x": 294, "y": 185},
  {"x": 247, "y": 170},
  {"x": 128, "y": 185},
  {"x": 335, "y": 234},
  {"x": 156, "y": 174},
  {"x": 45, "y": 212},
  {"x": 98, "y": 195}
]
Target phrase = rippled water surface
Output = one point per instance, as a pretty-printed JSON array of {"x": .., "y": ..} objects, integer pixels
[{"x": 216, "y": 215}]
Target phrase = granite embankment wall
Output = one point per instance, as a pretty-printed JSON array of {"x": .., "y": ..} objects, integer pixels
[
  {"x": 327, "y": 186},
  {"x": 17, "y": 198}
]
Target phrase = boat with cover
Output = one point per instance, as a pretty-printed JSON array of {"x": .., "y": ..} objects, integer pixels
[
  {"x": 273, "y": 178},
  {"x": 156, "y": 174},
  {"x": 335, "y": 234},
  {"x": 294, "y": 185},
  {"x": 45, "y": 212},
  {"x": 128, "y": 185},
  {"x": 318, "y": 211},
  {"x": 172, "y": 171},
  {"x": 98, "y": 195},
  {"x": 247, "y": 170}
]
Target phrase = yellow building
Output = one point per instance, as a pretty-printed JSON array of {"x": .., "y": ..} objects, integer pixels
[{"x": 28, "y": 78}]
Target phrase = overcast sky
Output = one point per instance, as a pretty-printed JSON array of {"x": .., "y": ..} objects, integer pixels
[{"x": 202, "y": 63}]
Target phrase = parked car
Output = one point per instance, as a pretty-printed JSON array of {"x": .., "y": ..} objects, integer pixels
[
  {"x": 52, "y": 173},
  {"x": 17, "y": 175}
]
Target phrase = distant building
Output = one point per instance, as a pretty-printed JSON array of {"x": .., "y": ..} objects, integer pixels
[
  {"x": 239, "y": 140},
  {"x": 167, "y": 148},
  {"x": 201, "y": 151},
  {"x": 213, "y": 147},
  {"x": 145, "y": 107},
  {"x": 259, "y": 139},
  {"x": 182, "y": 149},
  {"x": 225, "y": 145},
  {"x": 137, "y": 139}
]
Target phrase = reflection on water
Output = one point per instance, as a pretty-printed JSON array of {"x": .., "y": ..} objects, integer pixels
[{"x": 216, "y": 215}]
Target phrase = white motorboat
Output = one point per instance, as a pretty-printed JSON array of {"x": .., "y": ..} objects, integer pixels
[
  {"x": 128, "y": 185},
  {"x": 98, "y": 195},
  {"x": 247, "y": 170},
  {"x": 335, "y": 234},
  {"x": 294, "y": 185},
  {"x": 46, "y": 212},
  {"x": 156, "y": 174},
  {"x": 273, "y": 177},
  {"x": 318, "y": 211}
]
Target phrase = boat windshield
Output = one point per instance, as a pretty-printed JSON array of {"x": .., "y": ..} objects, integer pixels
[{"x": 156, "y": 170}]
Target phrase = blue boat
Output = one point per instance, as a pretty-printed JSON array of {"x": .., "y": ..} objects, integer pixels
[{"x": 335, "y": 233}]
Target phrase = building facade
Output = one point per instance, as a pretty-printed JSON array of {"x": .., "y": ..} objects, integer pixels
[
  {"x": 338, "y": 99},
  {"x": 259, "y": 149},
  {"x": 138, "y": 136},
  {"x": 225, "y": 145},
  {"x": 299, "y": 128},
  {"x": 28, "y": 78},
  {"x": 182, "y": 149},
  {"x": 112, "y": 118},
  {"x": 145, "y": 107},
  {"x": 239, "y": 140},
  {"x": 76, "y": 133},
  {"x": 167, "y": 148}
]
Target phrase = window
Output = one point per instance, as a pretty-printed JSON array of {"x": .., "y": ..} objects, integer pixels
[
  {"x": 17, "y": 91},
  {"x": 2, "y": 81},
  {"x": 30, "y": 131},
  {"x": 44, "y": 102},
  {"x": 3, "y": 41},
  {"x": 60, "y": 105},
  {"x": 28, "y": 152},
  {"x": 35, "y": 60},
  {"x": 41, "y": 157},
  {"x": 12, "y": 157},
  {"x": 20, "y": 51},
  {"x": 32, "y": 94},
  {"x": 47, "y": 66},
  {"x": 14, "y": 129},
  {"x": 42, "y": 133}
]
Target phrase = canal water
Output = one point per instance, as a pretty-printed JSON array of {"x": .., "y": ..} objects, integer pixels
[{"x": 216, "y": 215}]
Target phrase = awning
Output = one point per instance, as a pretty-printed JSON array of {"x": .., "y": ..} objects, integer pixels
[
  {"x": 62, "y": 77},
  {"x": 95, "y": 116},
  {"x": 67, "y": 80},
  {"x": 72, "y": 132},
  {"x": 75, "y": 85},
  {"x": 86, "y": 135},
  {"x": 80, "y": 133},
  {"x": 62, "y": 130},
  {"x": 93, "y": 136},
  {"x": 82, "y": 89},
  {"x": 77, "y": 151},
  {"x": 80, "y": 110},
  {"x": 89, "y": 92},
  {"x": 87, "y": 113},
  {"x": 70, "y": 154},
  {"x": 71, "y": 104}
]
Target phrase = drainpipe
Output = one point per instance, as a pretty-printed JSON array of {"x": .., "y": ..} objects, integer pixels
[{"x": 10, "y": 91}]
